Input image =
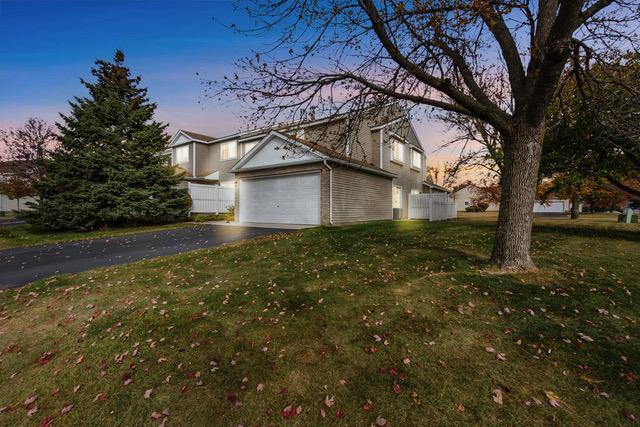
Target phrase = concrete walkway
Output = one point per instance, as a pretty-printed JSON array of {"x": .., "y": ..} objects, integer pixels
[{"x": 20, "y": 266}]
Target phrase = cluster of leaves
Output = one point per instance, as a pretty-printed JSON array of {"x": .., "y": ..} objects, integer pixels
[{"x": 109, "y": 169}]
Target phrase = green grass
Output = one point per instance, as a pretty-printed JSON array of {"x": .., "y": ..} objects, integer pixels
[
  {"x": 299, "y": 314},
  {"x": 25, "y": 235}
]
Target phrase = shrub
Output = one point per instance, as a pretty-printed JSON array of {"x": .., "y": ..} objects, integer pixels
[
  {"x": 472, "y": 209},
  {"x": 483, "y": 206}
]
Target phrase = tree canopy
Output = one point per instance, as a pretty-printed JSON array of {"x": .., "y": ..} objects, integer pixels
[{"x": 109, "y": 168}]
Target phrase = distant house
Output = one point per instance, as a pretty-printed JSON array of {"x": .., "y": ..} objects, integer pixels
[
  {"x": 301, "y": 173},
  {"x": 7, "y": 170},
  {"x": 466, "y": 196}
]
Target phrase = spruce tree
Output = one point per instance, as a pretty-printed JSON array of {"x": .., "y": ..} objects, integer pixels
[{"x": 109, "y": 169}]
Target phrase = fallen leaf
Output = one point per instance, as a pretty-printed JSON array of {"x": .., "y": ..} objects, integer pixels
[
  {"x": 147, "y": 394},
  {"x": 260, "y": 387},
  {"x": 380, "y": 421},
  {"x": 100, "y": 396},
  {"x": 329, "y": 401},
  {"x": 553, "y": 399},
  {"x": 501, "y": 357},
  {"x": 368, "y": 405},
  {"x": 66, "y": 409},
  {"x": 497, "y": 395},
  {"x": 45, "y": 358},
  {"x": 29, "y": 400}
]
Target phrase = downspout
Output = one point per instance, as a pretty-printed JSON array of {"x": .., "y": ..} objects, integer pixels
[
  {"x": 193, "y": 166},
  {"x": 381, "y": 150},
  {"x": 330, "y": 192}
]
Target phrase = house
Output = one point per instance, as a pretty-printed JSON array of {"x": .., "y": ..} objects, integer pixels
[
  {"x": 467, "y": 195},
  {"x": 316, "y": 172},
  {"x": 7, "y": 170}
]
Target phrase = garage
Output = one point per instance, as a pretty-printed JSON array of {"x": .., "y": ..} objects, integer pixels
[
  {"x": 552, "y": 206},
  {"x": 282, "y": 199}
]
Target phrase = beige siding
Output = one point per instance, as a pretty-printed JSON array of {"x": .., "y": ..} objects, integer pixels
[{"x": 359, "y": 196}]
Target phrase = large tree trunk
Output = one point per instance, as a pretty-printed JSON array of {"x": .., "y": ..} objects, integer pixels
[
  {"x": 522, "y": 151},
  {"x": 575, "y": 205}
]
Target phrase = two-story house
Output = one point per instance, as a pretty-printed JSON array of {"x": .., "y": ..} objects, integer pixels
[{"x": 314, "y": 172}]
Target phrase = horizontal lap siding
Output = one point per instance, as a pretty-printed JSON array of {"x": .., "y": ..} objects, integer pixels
[{"x": 360, "y": 196}]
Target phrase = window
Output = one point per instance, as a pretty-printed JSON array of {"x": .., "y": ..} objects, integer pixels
[
  {"x": 397, "y": 197},
  {"x": 182, "y": 154},
  {"x": 228, "y": 150},
  {"x": 466, "y": 203},
  {"x": 397, "y": 151},
  {"x": 416, "y": 159},
  {"x": 248, "y": 146}
]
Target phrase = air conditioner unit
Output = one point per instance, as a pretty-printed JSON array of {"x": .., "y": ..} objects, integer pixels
[{"x": 397, "y": 213}]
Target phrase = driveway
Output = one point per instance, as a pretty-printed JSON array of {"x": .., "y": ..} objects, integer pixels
[{"x": 20, "y": 266}]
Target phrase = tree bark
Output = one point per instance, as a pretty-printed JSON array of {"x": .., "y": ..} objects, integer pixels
[
  {"x": 522, "y": 151},
  {"x": 575, "y": 205}
]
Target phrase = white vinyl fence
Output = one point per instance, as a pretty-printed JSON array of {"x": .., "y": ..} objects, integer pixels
[
  {"x": 434, "y": 207},
  {"x": 8, "y": 205},
  {"x": 211, "y": 198}
]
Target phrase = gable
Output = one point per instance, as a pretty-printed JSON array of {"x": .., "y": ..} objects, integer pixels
[
  {"x": 275, "y": 152},
  {"x": 180, "y": 139}
]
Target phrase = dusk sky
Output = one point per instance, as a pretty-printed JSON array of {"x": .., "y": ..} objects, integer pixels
[{"x": 46, "y": 46}]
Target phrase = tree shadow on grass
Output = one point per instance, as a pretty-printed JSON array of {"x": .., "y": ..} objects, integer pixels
[{"x": 631, "y": 235}]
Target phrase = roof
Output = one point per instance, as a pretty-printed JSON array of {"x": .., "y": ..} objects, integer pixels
[
  {"x": 196, "y": 135},
  {"x": 436, "y": 186},
  {"x": 325, "y": 153}
]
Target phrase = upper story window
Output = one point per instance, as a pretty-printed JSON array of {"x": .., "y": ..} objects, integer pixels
[
  {"x": 228, "y": 150},
  {"x": 397, "y": 151},
  {"x": 248, "y": 146},
  {"x": 416, "y": 159},
  {"x": 182, "y": 154}
]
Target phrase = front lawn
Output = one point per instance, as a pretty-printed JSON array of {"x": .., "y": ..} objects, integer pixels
[
  {"x": 26, "y": 235},
  {"x": 398, "y": 321}
]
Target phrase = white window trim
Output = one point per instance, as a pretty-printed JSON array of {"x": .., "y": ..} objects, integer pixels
[
  {"x": 182, "y": 148},
  {"x": 391, "y": 155},
  {"x": 235, "y": 156},
  {"x": 244, "y": 146},
  {"x": 413, "y": 152}
]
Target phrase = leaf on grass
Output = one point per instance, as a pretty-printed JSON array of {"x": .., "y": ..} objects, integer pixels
[
  {"x": 45, "y": 358},
  {"x": 490, "y": 349},
  {"x": 380, "y": 421},
  {"x": 32, "y": 411},
  {"x": 66, "y": 409},
  {"x": 100, "y": 396},
  {"x": 501, "y": 357},
  {"x": 497, "y": 395},
  {"x": 368, "y": 406},
  {"x": 329, "y": 401},
  {"x": 260, "y": 387},
  {"x": 147, "y": 393},
  {"x": 553, "y": 399},
  {"x": 396, "y": 387},
  {"x": 29, "y": 400}
]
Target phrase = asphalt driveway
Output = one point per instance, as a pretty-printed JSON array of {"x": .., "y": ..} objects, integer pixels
[{"x": 20, "y": 266}]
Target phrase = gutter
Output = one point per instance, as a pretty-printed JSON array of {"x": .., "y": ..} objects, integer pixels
[
  {"x": 330, "y": 192},
  {"x": 381, "y": 149}
]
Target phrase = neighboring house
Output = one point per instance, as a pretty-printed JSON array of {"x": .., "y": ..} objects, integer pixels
[
  {"x": 302, "y": 173},
  {"x": 467, "y": 195},
  {"x": 7, "y": 170}
]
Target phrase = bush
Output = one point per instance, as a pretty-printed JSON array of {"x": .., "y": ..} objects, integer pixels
[
  {"x": 473, "y": 209},
  {"x": 483, "y": 206}
]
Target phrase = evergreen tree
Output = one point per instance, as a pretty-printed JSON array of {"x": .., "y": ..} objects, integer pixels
[{"x": 109, "y": 169}]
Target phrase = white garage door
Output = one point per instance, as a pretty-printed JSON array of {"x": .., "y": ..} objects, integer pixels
[
  {"x": 554, "y": 206},
  {"x": 289, "y": 199}
]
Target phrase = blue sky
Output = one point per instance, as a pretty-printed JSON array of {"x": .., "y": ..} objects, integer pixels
[{"x": 46, "y": 46}]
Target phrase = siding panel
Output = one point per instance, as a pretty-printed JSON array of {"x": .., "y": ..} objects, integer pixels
[{"x": 359, "y": 196}]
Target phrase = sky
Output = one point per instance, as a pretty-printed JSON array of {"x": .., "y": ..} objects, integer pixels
[{"x": 47, "y": 46}]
